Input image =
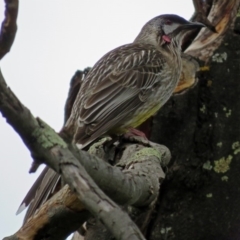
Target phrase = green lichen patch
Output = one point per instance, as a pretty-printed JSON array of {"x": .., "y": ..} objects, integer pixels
[
  {"x": 222, "y": 165},
  {"x": 165, "y": 230},
  {"x": 143, "y": 154},
  {"x": 209, "y": 195},
  {"x": 219, "y": 144},
  {"x": 224, "y": 178},
  {"x": 236, "y": 147},
  {"x": 46, "y": 136},
  {"x": 207, "y": 165},
  {"x": 228, "y": 113},
  {"x": 219, "y": 57},
  {"x": 99, "y": 144},
  {"x": 203, "y": 109}
]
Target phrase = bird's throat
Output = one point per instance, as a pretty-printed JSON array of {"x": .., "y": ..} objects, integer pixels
[{"x": 166, "y": 38}]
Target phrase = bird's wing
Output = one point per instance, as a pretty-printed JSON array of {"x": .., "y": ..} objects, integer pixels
[{"x": 108, "y": 96}]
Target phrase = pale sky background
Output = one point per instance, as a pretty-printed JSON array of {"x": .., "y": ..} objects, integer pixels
[{"x": 54, "y": 39}]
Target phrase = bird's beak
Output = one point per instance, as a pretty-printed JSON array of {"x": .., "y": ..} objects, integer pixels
[
  {"x": 184, "y": 28},
  {"x": 192, "y": 25}
]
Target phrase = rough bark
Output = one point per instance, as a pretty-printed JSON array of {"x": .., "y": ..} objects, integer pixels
[
  {"x": 65, "y": 211},
  {"x": 200, "y": 197}
]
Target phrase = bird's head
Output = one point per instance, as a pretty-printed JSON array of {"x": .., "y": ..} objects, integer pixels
[{"x": 166, "y": 29}]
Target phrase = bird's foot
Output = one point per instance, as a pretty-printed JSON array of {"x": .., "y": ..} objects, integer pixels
[
  {"x": 135, "y": 132},
  {"x": 135, "y": 135}
]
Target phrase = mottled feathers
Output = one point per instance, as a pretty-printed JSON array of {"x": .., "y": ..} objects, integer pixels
[{"x": 119, "y": 85}]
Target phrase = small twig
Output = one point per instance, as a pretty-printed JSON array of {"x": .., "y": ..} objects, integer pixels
[{"x": 9, "y": 27}]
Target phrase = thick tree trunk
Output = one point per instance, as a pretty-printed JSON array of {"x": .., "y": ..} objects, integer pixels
[{"x": 200, "y": 197}]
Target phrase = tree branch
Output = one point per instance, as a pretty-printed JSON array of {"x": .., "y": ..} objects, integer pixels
[
  {"x": 136, "y": 160},
  {"x": 46, "y": 146}
]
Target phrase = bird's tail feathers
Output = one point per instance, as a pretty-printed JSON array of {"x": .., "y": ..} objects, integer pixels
[{"x": 39, "y": 193}]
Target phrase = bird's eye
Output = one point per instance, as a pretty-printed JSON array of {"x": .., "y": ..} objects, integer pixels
[{"x": 168, "y": 22}]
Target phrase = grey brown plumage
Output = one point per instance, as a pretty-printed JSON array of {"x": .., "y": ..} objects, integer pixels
[
  {"x": 123, "y": 90},
  {"x": 130, "y": 83}
]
